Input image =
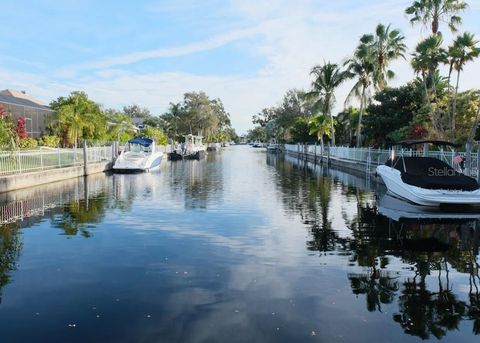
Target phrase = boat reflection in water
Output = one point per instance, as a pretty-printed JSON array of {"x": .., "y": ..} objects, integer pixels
[
  {"x": 420, "y": 264},
  {"x": 280, "y": 248}
]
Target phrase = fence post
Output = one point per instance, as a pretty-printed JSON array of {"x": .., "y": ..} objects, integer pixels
[
  {"x": 19, "y": 161},
  {"x": 478, "y": 163},
  {"x": 59, "y": 157},
  {"x": 328, "y": 154},
  {"x": 315, "y": 156},
  {"x": 85, "y": 158},
  {"x": 425, "y": 149},
  {"x": 468, "y": 158}
]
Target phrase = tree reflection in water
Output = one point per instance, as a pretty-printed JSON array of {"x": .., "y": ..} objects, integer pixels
[
  {"x": 78, "y": 216},
  {"x": 10, "y": 247},
  {"x": 432, "y": 248}
]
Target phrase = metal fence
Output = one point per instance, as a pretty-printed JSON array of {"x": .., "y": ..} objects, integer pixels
[
  {"x": 375, "y": 157},
  {"x": 21, "y": 161}
]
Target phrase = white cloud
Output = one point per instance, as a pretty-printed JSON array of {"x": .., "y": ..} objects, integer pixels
[{"x": 290, "y": 36}]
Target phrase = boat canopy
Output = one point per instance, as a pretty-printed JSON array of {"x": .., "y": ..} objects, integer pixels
[
  {"x": 142, "y": 141},
  {"x": 422, "y": 141},
  {"x": 431, "y": 173}
]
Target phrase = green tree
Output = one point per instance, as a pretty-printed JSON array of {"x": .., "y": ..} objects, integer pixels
[
  {"x": 8, "y": 135},
  {"x": 121, "y": 127},
  {"x": 385, "y": 46},
  {"x": 156, "y": 134},
  {"x": 347, "y": 124},
  {"x": 257, "y": 134},
  {"x": 81, "y": 116},
  {"x": 464, "y": 49},
  {"x": 429, "y": 54},
  {"x": 361, "y": 67},
  {"x": 432, "y": 12},
  {"x": 391, "y": 114},
  {"x": 171, "y": 120},
  {"x": 320, "y": 127},
  {"x": 136, "y": 111},
  {"x": 327, "y": 78}
]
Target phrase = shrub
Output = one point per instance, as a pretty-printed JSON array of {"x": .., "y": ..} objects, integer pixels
[
  {"x": 21, "y": 128},
  {"x": 28, "y": 143},
  {"x": 50, "y": 141}
]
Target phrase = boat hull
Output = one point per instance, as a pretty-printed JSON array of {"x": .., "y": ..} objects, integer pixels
[
  {"x": 422, "y": 196},
  {"x": 195, "y": 156},
  {"x": 127, "y": 164},
  {"x": 174, "y": 156}
]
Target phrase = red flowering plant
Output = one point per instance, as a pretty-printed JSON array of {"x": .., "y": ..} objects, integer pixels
[
  {"x": 21, "y": 128},
  {"x": 418, "y": 132}
]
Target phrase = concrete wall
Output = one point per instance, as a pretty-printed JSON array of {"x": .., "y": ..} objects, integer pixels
[
  {"x": 353, "y": 167},
  {"x": 13, "y": 182}
]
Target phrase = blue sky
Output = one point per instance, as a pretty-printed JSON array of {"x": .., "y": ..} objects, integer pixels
[{"x": 246, "y": 52}]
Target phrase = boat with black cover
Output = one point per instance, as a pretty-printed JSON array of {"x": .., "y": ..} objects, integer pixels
[{"x": 426, "y": 180}]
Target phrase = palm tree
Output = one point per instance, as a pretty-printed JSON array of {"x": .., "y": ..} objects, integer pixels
[
  {"x": 463, "y": 50},
  {"x": 362, "y": 67},
  {"x": 327, "y": 78},
  {"x": 385, "y": 46},
  {"x": 426, "y": 59},
  {"x": 435, "y": 11},
  {"x": 77, "y": 115},
  {"x": 320, "y": 127}
]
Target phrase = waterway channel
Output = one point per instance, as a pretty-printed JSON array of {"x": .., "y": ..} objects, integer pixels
[{"x": 242, "y": 246}]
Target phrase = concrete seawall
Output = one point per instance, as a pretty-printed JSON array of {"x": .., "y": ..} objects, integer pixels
[
  {"x": 19, "y": 181},
  {"x": 358, "y": 168}
]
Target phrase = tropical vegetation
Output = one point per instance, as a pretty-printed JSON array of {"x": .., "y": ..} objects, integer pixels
[
  {"x": 78, "y": 118},
  {"x": 374, "y": 113}
]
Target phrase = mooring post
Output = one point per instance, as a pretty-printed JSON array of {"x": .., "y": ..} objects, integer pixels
[
  {"x": 468, "y": 158},
  {"x": 425, "y": 149},
  {"x": 315, "y": 154},
  {"x": 328, "y": 155},
  {"x": 478, "y": 163},
  {"x": 85, "y": 158}
]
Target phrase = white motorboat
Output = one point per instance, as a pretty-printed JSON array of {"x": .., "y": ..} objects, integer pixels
[
  {"x": 139, "y": 155},
  {"x": 192, "y": 149},
  {"x": 428, "y": 181}
]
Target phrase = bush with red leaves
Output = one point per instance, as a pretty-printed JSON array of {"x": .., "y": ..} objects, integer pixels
[{"x": 21, "y": 128}]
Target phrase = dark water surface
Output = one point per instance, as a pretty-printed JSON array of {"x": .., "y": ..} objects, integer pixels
[{"x": 239, "y": 247}]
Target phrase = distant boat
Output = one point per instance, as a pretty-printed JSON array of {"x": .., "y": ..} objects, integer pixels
[
  {"x": 257, "y": 144},
  {"x": 192, "y": 149},
  {"x": 139, "y": 155},
  {"x": 428, "y": 181},
  {"x": 272, "y": 147}
]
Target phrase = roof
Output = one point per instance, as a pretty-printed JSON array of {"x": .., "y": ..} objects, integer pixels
[
  {"x": 12, "y": 97},
  {"x": 141, "y": 141},
  {"x": 435, "y": 142}
]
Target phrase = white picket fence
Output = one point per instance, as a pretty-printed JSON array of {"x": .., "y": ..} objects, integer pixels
[
  {"x": 21, "y": 161},
  {"x": 375, "y": 157}
]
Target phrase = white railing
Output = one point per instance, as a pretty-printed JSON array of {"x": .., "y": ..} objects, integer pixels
[
  {"x": 375, "y": 157},
  {"x": 21, "y": 161}
]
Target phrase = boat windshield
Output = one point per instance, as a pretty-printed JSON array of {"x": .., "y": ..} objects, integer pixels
[{"x": 134, "y": 147}]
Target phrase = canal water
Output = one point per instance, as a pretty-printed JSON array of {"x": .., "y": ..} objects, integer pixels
[{"x": 243, "y": 246}]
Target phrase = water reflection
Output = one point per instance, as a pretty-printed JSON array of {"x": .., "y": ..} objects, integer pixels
[
  {"x": 10, "y": 247},
  {"x": 428, "y": 249},
  {"x": 271, "y": 248}
]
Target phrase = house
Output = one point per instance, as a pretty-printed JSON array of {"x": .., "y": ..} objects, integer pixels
[{"x": 36, "y": 114}]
